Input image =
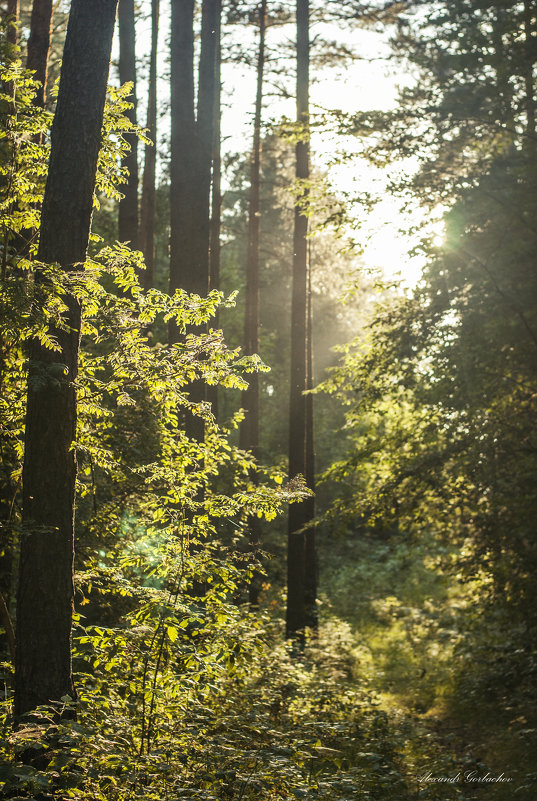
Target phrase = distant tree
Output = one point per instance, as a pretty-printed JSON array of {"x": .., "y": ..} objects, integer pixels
[
  {"x": 128, "y": 206},
  {"x": 249, "y": 432},
  {"x": 191, "y": 155},
  {"x": 299, "y": 584},
  {"x": 191, "y": 146},
  {"x": 12, "y": 16},
  {"x": 45, "y": 590},
  {"x": 39, "y": 45},
  {"x": 148, "y": 204}
]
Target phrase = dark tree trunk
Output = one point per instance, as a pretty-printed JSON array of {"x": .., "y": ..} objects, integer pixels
[
  {"x": 310, "y": 579},
  {"x": 299, "y": 513},
  {"x": 188, "y": 262},
  {"x": 191, "y": 158},
  {"x": 249, "y": 431},
  {"x": 216, "y": 205},
  {"x": 45, "y": 593},
  {"x": 184, "y": 272},
  {"x": 191, "y": 146},
  {"x": 147, "y": 224},
  {"x": 12, "y": 13},
  {"x": 216, "y": 188},
  {"x": 128, "y": 206},
  {"x": 39, "y": 45},
  {"x": 206, "y": 124}
]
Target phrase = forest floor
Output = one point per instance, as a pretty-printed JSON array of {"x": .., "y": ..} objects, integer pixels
[{"x": 397, "y": 633}]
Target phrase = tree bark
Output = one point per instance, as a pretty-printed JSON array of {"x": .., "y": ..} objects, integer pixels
[
  {"x": 184, "y": 272},
  {"x": 249, "y": 431},
  {"x": 147, "y": 224},
  {"x": 216, "y": 204},
  {"x": 45, "y": 592},
  {"x": 191, "y": 146},
  {"x": 299, "y": 513},
  {"x": 206, "y": 124},
  {"x": 39, "y": 45},
  {"x": 188, "y": 262},
  {"x": 128, "y": 206},
  {"x": 216, "y": 188},
  {"x": 310, "y": 545},
  {"x": 12, "y": 13},
  {"x": 191, "y": 158}
]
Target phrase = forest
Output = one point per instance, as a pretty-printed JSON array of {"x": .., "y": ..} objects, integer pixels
[{"x": 268, "y": 378}]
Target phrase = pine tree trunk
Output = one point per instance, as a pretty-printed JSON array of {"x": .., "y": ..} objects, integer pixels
[
  {"x": 249, "y": 431},
  {"x": 128, "y": 206},
  {"x": 39, "y": 45},
  {"x": 310, "y": 567},
  {"x": 147, "y": 223},
  {"x": 45, "y": 593},
  {"x": 216, "y": 205},
  {"x": 189, "y": 263},
  {"x": 216, "y": 187},
  {"x": 12, "y": 13},
  {"x": 191, "y": 159},
  {"x": 184, "y": 272},
  {"x": 296, "y": 619},
  {"x": 207, "y": 91}
]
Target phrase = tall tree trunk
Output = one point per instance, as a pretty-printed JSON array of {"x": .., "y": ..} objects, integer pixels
[
  {"x": 216, "y": 203},
  {"x": 184, "y": 273},
  {"x": 249, "y": 431},
  {"x": 191, "y": 159},
  {"x": 39, "y": 45},
  {"x": 147, "y": 223},
  {"x": 310, "y": 567},
  {"x": 12, "y": 14},
  {"x": 37, "y": 60},
  {"x": 128, "y": 206},
  {"x": 188, "y": 262},
  {"x": 45, "y": 593},
  {"x": 216, "y": 187},
  {"x": 191, "y": 146},
  {"x": 207, "y": 91},
  {"x": 299, "y": 513}
]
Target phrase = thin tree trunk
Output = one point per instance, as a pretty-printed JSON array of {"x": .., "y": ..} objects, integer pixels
[
  {"x": 128, "y": 206},
  {"x": 216, "y": 188},
  {"x": 310, "y": 580},
  {"x": 184, "y": 273},
  {"x": 45, "y": 592},
  {"x": 12, "y": 13},
  {"x": 296, "y": 619},
  {"x": 216, "y": 205},
  {"x": 147, "y": 223},
  {"x": 39, "y": 45},
  {"x": 249, "y": 431},
  {"x": 206, "y": 124}
]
